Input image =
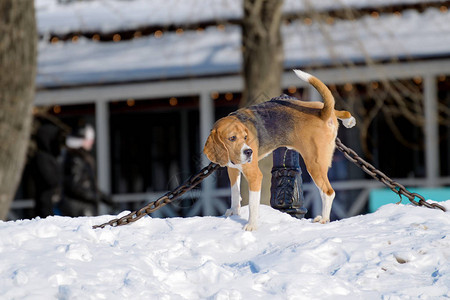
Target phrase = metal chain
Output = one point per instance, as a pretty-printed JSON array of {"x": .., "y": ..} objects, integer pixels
[
  {"x": 380, "y": 176},
  {"x": 212, "y": 167},
  {"x": 164, "y": 200}
]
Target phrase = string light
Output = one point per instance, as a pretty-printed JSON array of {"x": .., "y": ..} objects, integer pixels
[
  {"x": 348, "y": 87},
  {"x": 222, "y": 27},
  {"x": 443, "y": 9},
  {"x": 131, "y": 102},
  {"x": 375, "y": 14},
  {"x": 56, "y": 109},
  {"x": 117, "y": 37},
  {"x": 417, "y": 80},
  {"x": 375, "y": 85},
  {"x": 173, "y": 101},
  {"x": 214, "y": 95},
  {"x": 292, "y": 89},
  {"x": 229, "y": 96},
  {"x": 442, "y": 78}
]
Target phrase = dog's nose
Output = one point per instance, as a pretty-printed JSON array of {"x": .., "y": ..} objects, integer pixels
[{"x": 248, "y": 152}]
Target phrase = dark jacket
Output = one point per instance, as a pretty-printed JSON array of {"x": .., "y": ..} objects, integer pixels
[
  {"x": 46, "y": 170},
  {"x": 80, "y": 193}
]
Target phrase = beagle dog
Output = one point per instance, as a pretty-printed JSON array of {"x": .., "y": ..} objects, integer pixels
[{"x": 247, "y": 135}]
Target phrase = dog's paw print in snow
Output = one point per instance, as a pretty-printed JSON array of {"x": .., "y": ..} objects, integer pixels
[
  {"x": 225, "y": 294},
  {"x": 20, "y": 277},
  {"x": 66, "y": 276},
  {"x": 78, "y": 252},
  {"x": 46, "y": 230}
]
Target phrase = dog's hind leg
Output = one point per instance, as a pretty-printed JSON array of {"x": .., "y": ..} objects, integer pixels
[
  {"x": 327, "y": 195},
  {"x": 318, "y": 170},
  {"x": 327, "y": 202},
  {"x": 235, "y": 182}
]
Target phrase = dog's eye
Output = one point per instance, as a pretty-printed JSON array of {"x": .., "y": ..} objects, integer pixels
[
  {"x": 245, "y": 138},
  {"x": 233, "y": 138}
]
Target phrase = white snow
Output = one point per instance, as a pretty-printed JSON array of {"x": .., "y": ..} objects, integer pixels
[{"x": 398, "y": 252}]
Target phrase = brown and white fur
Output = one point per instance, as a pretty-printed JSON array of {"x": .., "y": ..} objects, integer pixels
[{"x": 241, "y": 139}]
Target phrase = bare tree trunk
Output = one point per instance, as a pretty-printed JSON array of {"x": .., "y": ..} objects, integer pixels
[
  {"x": 18, "y": 40},
  {"x": 263, "y": 65},
  {"x": 262, "y": 50}
]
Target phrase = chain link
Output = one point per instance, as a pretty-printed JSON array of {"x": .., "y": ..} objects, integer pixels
[
  {"x": 380, "y": 176},
  {"x": 164, "y": 200}
]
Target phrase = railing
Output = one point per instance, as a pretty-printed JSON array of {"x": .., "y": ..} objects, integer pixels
[
  {"x": 358, "y": 205},
  {"x": 363, "y": 188}
]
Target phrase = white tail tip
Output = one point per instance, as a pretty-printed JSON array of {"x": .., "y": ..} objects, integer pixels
[{"x": 303, "y": 75}]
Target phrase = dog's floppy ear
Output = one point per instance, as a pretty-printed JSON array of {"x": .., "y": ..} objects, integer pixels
[{"x": 215, "y": 149}]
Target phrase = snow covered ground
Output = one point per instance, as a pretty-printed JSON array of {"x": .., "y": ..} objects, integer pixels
[{"x": 398, "y": 252}]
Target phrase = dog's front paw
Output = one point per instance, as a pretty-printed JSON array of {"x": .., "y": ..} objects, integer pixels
[
  {"x": 232, "y": 212},
  {"x": 321, "y": 220},
  {"x": 350, "y": 122},
  {"x": 250, "y": 227}
]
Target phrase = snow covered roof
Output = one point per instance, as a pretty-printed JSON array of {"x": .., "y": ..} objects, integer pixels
[
  {"x": 109, "y": 15},
  {"x": 216, "y": 50}
]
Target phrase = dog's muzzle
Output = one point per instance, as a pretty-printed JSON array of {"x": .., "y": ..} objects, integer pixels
[{"x": 247, "y": 155}]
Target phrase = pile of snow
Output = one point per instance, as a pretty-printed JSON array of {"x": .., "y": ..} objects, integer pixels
[{"x": 398, "y": 252}]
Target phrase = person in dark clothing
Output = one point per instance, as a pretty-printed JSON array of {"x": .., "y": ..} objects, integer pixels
[
  {"x": 81, "y": 196},
  {"x": 46, "y": 169}
]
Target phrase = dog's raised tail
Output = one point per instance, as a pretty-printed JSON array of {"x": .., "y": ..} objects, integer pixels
[{"x": 328, "y": 99}]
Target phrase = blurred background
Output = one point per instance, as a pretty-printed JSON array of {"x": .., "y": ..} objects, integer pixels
[{"x": 153, "y": 76}]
